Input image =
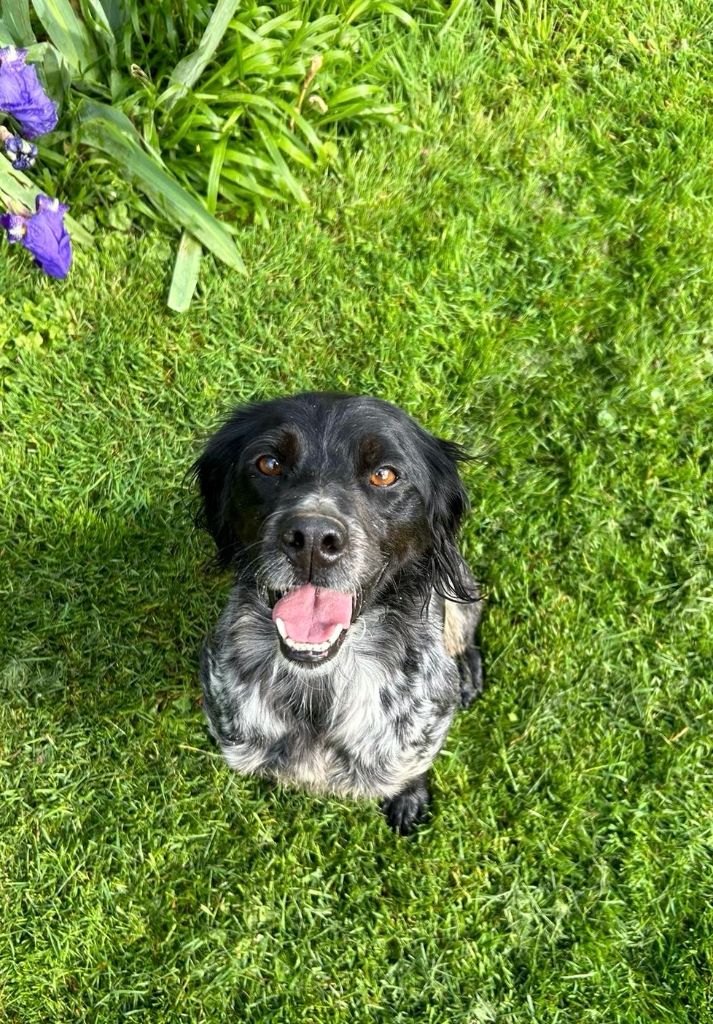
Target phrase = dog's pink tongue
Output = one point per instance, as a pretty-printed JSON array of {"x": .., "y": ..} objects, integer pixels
[{"x": 311, "y": 613}]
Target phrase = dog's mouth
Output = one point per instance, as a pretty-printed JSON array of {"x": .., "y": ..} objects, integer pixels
[{"x": 312, "y": 622}]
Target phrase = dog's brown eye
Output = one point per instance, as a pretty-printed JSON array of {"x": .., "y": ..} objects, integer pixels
[
  {"x": 269, "y": 465},
  {"x": 384, "y": 476}
]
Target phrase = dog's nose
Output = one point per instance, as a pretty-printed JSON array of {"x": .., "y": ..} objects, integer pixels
[{"x": 314, "y": 541}]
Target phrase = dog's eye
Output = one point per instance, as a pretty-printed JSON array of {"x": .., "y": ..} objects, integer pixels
[
  {"x": 268, "y": 465},
  {"x": 384, "y": 476}
]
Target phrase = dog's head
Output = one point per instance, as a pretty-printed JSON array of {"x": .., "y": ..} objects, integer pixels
[{"x": 325, "y": 502}]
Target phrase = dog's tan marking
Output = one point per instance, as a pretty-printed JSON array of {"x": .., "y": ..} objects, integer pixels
[{"x": 459, "y": 624}]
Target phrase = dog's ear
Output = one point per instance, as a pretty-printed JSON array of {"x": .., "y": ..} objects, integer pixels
[
  {"x": 446, "y": 503},
  {"x": 215, "y": 472}
]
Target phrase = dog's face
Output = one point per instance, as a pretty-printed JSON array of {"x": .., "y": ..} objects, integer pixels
[{"x": 324, "y": 501}]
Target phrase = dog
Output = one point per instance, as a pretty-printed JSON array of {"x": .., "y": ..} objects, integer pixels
[{"x": 349, "y": 637}]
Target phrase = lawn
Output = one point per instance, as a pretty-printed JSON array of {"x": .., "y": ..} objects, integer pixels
[{"x": 530, "y": 273}]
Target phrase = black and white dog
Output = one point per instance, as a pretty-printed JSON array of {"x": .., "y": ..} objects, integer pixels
[{"x": 348, "y": 640}]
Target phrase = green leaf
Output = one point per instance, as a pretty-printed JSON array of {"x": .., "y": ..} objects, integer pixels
[
  {"x": 96, "y": 18},
  {"x": 353, "y": 92},
  {"x": 116, "y": 14},
  {"x": 68, "y": 34},
  {"x": 105, "y": 128},
  {"x": 371, "y": 8},
  {"x": 251, "y": 187},
  {"x": 16, "y": 19},
  {"x": 187, "y": 72},
  {"x": 185, "y": 273},
  {"x": 282, "y": 174},
  {"x": 216, "y": 166}
]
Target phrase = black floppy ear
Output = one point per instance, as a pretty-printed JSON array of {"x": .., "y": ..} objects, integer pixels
[
  {"x": 446, "y": 503},
  {"x": 214, "y": 470}
]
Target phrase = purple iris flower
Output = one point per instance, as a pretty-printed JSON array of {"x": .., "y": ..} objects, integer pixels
[
  {"x": 43, "y": 234},
  {"x": 22, "y": 95},
  {"x": 21, "y": 152}
]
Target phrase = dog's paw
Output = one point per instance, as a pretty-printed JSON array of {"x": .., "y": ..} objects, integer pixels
[
  {"x": 470, "y": 666},
  {"x": 405, "y": 811}
]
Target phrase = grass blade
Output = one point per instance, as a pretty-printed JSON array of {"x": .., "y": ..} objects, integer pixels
[
  {"x": 455, "y": 10},
  {"x": 104, "y": 128}
]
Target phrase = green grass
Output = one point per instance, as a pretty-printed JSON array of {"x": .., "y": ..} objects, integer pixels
[{"x": 531, "y": 274}]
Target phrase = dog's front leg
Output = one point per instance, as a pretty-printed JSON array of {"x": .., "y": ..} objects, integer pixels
[{"x": 408, "y": 808}]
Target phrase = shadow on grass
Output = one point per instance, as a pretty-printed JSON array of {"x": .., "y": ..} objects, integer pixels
[{"x": 110, "y": 606}]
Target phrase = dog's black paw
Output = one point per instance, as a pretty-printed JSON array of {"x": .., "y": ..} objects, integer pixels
[
  {"x": 408, "y": 809},
  {"x": 470, "y": 666}
]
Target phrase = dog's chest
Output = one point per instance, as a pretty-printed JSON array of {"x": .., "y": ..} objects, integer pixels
[
  {"x": 370, "y": 734},
  {"x": 367, "y": 727},
  {"x": 378, "y": 733}
]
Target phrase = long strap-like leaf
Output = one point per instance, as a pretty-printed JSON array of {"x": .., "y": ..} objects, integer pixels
[
  {"x": 16, "y": 18},
  {"x": 187, "y": 72},
  {"x": 107, "y": 129},
  {"x": 68, "y": 34},
  {"x": 185, "y": 273}
]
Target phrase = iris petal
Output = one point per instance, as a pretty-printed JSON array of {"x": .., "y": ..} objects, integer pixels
[
  {"x": 44, "y": 235},
  {"x": 22, "y": 94}
]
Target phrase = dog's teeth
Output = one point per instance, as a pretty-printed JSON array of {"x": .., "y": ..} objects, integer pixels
[{"x": 296, "y": 645}]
